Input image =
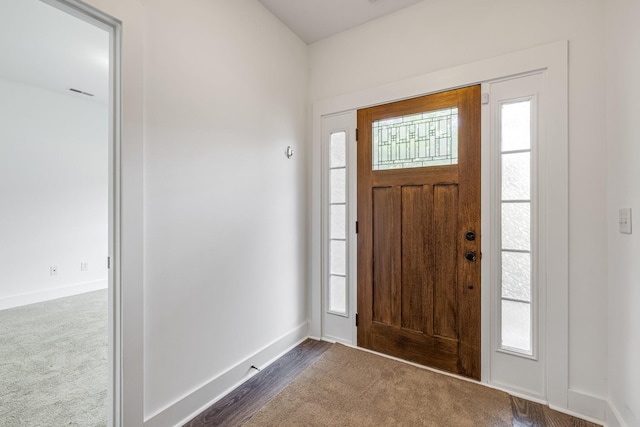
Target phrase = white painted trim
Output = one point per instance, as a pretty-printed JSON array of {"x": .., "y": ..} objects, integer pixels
[
  {"x": 522, "y": 373},
  {"x": 587, "y": 405},
  {"x": 554, "y": 224},
  {"x": 335, "y": 323},
  {"x": 551, "y": 57},
  {"x": 613, "y": 417},
  {"x": 333, "y": 340},
  {"x": 487, "y": 171},
  {"x": 193, "y": 403},
  {"x": 125, "y": 394},
  {"x": 126, "y": 310},
  {"x": 51, "y": 294},
  {"x": 576, "y": 414}
]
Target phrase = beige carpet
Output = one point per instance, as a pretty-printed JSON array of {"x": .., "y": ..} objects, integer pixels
[{"x": 350, "y": 387}]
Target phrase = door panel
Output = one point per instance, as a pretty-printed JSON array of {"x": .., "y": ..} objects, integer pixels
[
  {"x": 445, "y": 269},
  {"x": 418, "y": 296},
  {"x": 416, "y": 284},
  {"x": 386, "y": 227}
]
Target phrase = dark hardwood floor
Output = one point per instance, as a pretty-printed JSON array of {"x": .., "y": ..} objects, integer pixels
[
  {"x": 241, "y": 404},
  {"x": 527, "y": 413}
]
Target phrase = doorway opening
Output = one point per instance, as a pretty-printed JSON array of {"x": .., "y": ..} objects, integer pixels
[{"x": 60, "y": 114}]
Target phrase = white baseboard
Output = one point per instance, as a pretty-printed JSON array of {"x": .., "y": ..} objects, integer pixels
[
  {"x": 186, "y": 408},
  {"x": 580, "y": 405},
  {"x": 333, "y": 340},
  {"x": 586, "y": 405},
  {"x": 51, "y": 294},
  {"x": 614, "y": 416}
]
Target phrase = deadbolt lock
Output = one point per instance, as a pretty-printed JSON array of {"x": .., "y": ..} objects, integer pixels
[
  {"x": 470, "y": 236},
  {"x": 470, "y": 256}
]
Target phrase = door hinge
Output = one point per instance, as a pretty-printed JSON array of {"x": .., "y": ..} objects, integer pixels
[
  {"x": 485, "y": 98},
  {"x": 356, "y": 319},
  {"x": 356, "y": 134},
  {"x": 108, "y": 262},
  {"x": 356, "y": 227}
]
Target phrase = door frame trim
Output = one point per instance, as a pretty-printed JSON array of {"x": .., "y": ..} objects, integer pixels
[
  {"x": 551, "y": 57},
  {"x": 125, "y": 330}
]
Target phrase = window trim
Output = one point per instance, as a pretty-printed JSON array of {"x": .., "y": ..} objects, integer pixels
[{"x": 326, "y": 223}]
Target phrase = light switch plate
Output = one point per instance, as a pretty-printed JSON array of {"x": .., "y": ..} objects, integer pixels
[{"x": 624, "y": 215}]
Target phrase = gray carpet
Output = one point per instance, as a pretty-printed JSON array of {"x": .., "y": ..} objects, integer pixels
[{"x": 53, "y": 363}]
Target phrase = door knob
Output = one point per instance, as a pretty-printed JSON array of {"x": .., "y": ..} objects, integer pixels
[
  {"x": 470, "y": 256},
  {"x": 470, "y": 236}
]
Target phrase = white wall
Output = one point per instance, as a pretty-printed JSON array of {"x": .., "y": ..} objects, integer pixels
[
  {"x": 439, "y": 34},
  {"x": 225, "y": 210},
  {"x": 53, "y": 187},
  {"x": 225, "y": 92},
  {"x": 623, "y": 110}
]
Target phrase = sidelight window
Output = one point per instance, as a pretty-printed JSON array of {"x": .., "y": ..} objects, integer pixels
[
  {"x": 337, "y": 289},
  {"x": 516, "y": 331}
]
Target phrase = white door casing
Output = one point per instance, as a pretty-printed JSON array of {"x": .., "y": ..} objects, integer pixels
[
  {"x": 125, "y": 394},
  {"x": 552, "y": 59},
  {"x": 520, "y": 373},
  {"x": 336, "y": 326}
]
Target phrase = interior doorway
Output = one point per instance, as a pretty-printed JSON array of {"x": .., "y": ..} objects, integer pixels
[{"x": 59, "y": 102}]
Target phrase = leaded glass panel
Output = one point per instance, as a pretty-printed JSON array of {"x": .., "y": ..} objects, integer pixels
[{"x": 417, "y": 140}]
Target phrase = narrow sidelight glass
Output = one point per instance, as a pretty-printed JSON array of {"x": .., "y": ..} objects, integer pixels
[
  {"x": 516, "y": 332},
  {"x": 337, "y": 274}
]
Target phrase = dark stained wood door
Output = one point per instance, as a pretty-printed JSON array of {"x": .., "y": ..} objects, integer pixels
[{"x": 418, "y": 282}]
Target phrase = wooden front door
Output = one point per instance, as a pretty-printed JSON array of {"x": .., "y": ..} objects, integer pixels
[{"x": 419, "y": 230}]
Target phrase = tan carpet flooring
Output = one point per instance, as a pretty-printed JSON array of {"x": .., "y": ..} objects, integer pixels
[{"x": 350, "y": 387}]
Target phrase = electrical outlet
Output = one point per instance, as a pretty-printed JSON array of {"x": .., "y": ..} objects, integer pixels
[
  {"x": 624, "y": 221},
  {"x": 53, "y": 270},
  {"x": 84, "y": 266}
]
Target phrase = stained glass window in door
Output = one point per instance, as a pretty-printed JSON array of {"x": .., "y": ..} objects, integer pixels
[{"x": 416, "y": 140}]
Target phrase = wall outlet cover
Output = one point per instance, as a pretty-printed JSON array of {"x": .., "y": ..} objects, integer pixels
[{"x": 624, "y": 220}]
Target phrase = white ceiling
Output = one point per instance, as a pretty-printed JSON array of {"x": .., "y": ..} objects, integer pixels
[
  {"x": 313, "y": 20},
  {"x": 45, "y": 47}
]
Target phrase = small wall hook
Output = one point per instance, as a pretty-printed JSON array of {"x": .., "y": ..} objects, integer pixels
[{"x": 289, "y": 152}]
